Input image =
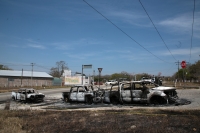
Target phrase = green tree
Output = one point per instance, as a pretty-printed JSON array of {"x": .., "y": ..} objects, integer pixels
[
  {"x": 2, "y": 67},
  {"x": 59, "y": 69},
  {"x": 194, "y": 71}
]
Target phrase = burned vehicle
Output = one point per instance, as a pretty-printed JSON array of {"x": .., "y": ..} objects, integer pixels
[
  {"x": 27, "y": 95},
  {"x": 138, "y": 92},
  {"x": 83, "y": 93},
  {"x": 79, "y": 93},
  {"x": 111, "y": 82}
]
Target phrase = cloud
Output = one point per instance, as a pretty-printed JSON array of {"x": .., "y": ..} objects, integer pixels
[
  {"x": 118, "y": 51},
  {"x": 82, "y": 56},
  {"x": 78, "y": 43},
  {"x": 182, "y": 23},
  {"x": 133, "y": 18},
  {"x": 194, "y": 50},
  {"x": 36, "y": 46}
]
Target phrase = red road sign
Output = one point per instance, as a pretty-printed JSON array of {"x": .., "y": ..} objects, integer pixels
[{"x": 183, "y": 64}]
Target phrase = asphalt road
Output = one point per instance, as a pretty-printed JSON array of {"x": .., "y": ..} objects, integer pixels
[
  {"x": 48, "y": 93},
  {"x": 57, "y": 92},
  {"x": 53, "y": 98}
]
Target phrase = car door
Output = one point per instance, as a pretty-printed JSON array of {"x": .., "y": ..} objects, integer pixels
[
  {"x": 18, "y": 94},
  {"x": 81, "y": 94},
  {"x": 23, "y": 95},
  {"x": 136, "y": 93},
  {"x": 126, "y": 92},
  {"x": 73, "y": 94}
]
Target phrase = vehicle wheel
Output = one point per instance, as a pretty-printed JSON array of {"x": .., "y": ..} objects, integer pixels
[
  {"x": 158, "y": 100},
  {"x": 114, "y": 100},
  {"x": 88, "y": 100},
  {"x": 66, "y": 99},
  {"x": 13, "y": 98},
  {"x": 32, "y": 99},
  {"x": 172, "y": 99}
]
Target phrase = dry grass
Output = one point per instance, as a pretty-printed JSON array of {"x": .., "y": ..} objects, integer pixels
[{"x": 110, "y": 121}]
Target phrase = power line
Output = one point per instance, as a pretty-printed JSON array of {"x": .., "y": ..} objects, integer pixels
[
  {"x": 123, "y": 32},
  {"x": 43, "y": 67},
  {"x": 157, "y": 30},
  {"x": 192, "y": 31},
  {"x": 11, "y": 64}
]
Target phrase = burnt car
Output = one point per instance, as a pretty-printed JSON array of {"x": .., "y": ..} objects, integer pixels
[
  {"x": 79, "y": 93},
  {"x": 139, "y": 92},
  {"x": 27, "y": 95}
]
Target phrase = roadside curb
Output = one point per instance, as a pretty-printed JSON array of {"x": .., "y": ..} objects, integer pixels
[{"x": 191, "y": 87}]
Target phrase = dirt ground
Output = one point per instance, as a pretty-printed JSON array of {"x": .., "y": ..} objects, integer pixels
[
  {"x": 29, "y": 118},
  {"x": 102, "y": 121}
]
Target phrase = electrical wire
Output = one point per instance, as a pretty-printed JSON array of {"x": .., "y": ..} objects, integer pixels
[
  {"x": 43, "y": 67},
  {"x": 156, "y": 29},
  {"x": 124, "y": 32},
  {"x": 192, "y": 32}
]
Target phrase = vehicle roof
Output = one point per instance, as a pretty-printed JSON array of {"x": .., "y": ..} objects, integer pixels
[
  {"x": 26, "y": 89},
  {"x": 139, "y": 82},
  {"x": 132, "y": 82},
  {"x": 78, "y": 85}
]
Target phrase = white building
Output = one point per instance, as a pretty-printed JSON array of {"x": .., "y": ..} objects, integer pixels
[{"x": 68, "y": 79}]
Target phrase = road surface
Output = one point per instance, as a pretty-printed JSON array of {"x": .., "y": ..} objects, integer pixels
[
  {"x": 48, "y": 93},
  {"x": 53, "y": 98}
]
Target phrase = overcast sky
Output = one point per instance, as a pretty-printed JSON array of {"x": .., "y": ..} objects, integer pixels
[{"x": 116, "y": 35}]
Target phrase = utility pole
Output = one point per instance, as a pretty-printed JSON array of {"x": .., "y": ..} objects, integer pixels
[
  {"x": 21, "y": 77},
  {"x": 100, "y": 69},
  {"x": 32, "y": 64},
  {"x": 178, "y": 63},
  {"x": 93, "y": 77}
]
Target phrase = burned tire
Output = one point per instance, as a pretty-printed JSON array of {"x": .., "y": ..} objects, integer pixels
[
  {"x": 157, "y": 100},
  {"x": 13, "y": 98},
  {"x": 172, "y": 100},
  {"x": 32, "y": 99},
  {"x": 66, "y": 99},
  {"x": 114, "y": 100},
  {"x": 88, "y": 100}
]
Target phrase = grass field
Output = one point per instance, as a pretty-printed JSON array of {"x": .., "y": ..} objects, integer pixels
[
  {"x": 100, "y": 121},
  {"x": 108, "y": 121}
]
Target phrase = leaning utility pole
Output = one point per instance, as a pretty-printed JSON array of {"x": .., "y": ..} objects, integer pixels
[
  {"x": 21, "y": 77},
  {"x": 178, "y": 63},
  {"x": 32, "y": 64}
]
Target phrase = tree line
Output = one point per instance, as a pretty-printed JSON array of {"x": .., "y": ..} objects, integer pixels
[{"x": 191, "y": 72}]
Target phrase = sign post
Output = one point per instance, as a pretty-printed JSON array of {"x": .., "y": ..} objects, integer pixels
[
  {"x": 100, "y": 69},
  {"x": 183, "y": 64},
  {"x": 85, "y": 66}
]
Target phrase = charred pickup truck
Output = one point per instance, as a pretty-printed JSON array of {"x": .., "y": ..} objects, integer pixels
[
  {"x": 79, "y": 93},
  {"x": 83, "y": 93},
  {"x": 27, "y": 95},
  {"x": 138, "y": 92}
]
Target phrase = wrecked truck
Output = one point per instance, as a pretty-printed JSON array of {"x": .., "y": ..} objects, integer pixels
[
  {"x": 138, "y": 92},
  {"x": 84, "y": 93},
  {"x": 79, "y": 93},
  {"x": 27, "y": 95}
]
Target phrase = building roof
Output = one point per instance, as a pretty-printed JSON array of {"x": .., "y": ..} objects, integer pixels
[{"x": 24, "y": 74}]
